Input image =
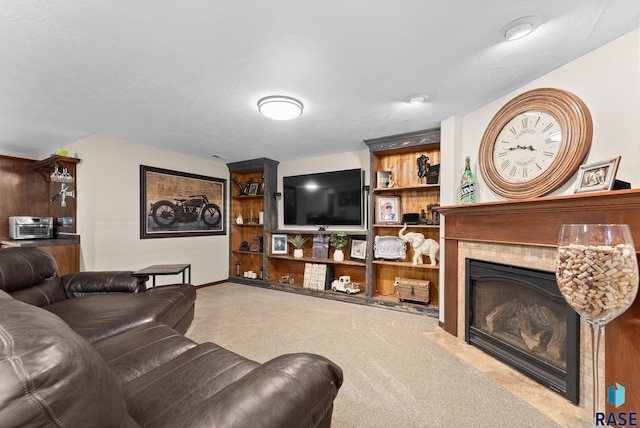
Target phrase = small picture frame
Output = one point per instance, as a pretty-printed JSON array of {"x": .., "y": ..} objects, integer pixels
[
  {"x": 597, "y": 176},
  {"x": 279, "y": 243},
  {"x": 382, "y": 179},
  {"x": 253, "y": 189},
  {"x": 358, "y": 248},
  {"x": 433, "y": 175},
  {"x": 388, "y": 209}
]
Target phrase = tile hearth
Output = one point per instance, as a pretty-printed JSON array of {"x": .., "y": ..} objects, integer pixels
[{"x": 546, "y": 401}]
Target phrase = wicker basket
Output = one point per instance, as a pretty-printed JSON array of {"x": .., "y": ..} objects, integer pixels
[{"x": 414, "y": 289}]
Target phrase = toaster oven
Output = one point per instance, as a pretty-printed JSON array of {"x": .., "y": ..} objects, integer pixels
[{"x": 22, "y": 227}]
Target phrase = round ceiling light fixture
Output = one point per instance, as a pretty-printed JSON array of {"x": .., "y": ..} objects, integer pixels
[
  {"x": 280, "y": 107},
  {"x": 417, "y": 99},
  {"x": 519, "y": 28}
]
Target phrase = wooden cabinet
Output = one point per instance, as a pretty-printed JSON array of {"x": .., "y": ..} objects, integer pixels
[
  {"x": 27, "y": 190},
  {"x": 247, "y": 238},
  {"x": 66, "y": 252},
  {"x": 410, "y": 194}
]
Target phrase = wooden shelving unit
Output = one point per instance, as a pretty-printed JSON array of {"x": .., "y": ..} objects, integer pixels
[
  {"x": 287, "y": 265},
  {"x": 262, "y": 171},
  {"x": 375, "y": 277},
  {"x": 399, "y": 154}
]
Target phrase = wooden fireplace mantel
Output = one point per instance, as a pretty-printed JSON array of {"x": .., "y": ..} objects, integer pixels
[{"x": 536, "y": 222}]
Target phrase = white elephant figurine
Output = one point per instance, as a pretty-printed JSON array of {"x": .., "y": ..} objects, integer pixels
[{"x": 421, "y": 246}]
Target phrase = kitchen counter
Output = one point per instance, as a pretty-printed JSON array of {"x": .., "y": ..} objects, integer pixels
[
  {"x": 65, "y": 249},
  {"x": 63, "y": 239}
]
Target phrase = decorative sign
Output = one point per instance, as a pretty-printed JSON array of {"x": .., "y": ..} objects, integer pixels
[{"x": 316, "y": 276}]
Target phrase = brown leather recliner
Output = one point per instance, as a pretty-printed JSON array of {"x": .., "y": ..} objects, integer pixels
[
  {"x": 95, "y": 305},
  {"x": 139, "y": 372}
]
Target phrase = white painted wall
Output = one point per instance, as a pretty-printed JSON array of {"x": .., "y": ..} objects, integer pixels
[
  {"x": 606, "y": 79},
  {"x": 108, "y": 219}
]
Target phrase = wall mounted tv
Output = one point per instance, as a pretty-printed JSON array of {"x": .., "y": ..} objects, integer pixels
[{"x": 327, "y": 198}]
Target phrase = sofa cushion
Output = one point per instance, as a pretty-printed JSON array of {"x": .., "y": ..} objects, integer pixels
[
  {"x": 162, "y": 397},
  {"x": 30, "y": 274},
  {"x": 51, "y": 376},
  {"x": 140, "y": 350},
  {"x": 100, "y": 316}
]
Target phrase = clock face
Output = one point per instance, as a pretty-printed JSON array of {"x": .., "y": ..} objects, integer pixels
[
  {"x": 526, "y": 146},
  {"x": 535, "y": 143}
]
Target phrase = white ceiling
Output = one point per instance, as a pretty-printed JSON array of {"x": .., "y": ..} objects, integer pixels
[{"x": 185, "y": 75}]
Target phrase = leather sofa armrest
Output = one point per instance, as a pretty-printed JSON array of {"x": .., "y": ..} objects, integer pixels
[
  {"x": 293, "y": 390},
  {"x": 88, "y": 283}
]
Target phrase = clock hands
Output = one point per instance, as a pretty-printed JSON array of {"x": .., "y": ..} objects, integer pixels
[{"x": 519, "y": 147}]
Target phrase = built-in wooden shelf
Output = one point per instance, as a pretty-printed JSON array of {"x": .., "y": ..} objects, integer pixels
[
  {"x": 401, "y": 188},
  {"x": 405, "y": 264},
  {"x": 325, "y": 261}
]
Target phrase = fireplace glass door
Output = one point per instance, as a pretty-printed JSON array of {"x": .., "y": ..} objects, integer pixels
[{"x": 518, "y": 315}]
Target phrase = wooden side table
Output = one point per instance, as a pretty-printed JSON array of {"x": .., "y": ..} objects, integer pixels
[{"x": 155, "y": 270}]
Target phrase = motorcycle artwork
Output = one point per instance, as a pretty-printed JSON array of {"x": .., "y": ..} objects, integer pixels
[{"x": 166, "y": 213}]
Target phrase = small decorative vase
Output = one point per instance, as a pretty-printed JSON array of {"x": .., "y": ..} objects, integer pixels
[
  {"x": 297, "y": 253},
  {"x": 338, "y": 256}
]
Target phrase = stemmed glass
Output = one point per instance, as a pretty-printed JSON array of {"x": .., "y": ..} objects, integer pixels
[{"x": 597, "y": 273}]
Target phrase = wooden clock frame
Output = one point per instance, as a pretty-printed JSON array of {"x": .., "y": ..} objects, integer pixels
[{"x": 577, "y": 130}]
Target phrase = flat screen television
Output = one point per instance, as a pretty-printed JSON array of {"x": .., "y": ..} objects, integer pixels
[{"x": 326, "y": 198}]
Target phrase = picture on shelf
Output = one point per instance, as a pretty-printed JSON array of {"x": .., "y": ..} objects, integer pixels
[
  {"x": 358, "y": 248},
  {"x": 433, "y": 175},
  {"x": 597, "y": 176},
  {"x": 253, "y": 189},
  {"x": 382, "y": 179},
  {"x": 279, "y": 243},
  {"x": 387, "y": 209},
  {"x": 320, "y": 248}
]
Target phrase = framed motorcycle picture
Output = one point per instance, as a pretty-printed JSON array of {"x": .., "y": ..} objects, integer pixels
[{"x": 179, "y": 204}]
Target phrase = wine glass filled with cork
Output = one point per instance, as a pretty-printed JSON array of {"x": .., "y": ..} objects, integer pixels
[{"x": 597, "y": 273}]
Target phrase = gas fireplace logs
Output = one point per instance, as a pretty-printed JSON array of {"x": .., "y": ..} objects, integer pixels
[
  {"x": 537, "y": 326},
  {"x": 595, "y": 279}
]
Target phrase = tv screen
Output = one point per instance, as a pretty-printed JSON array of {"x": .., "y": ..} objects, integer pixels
[{"x": 326, "y": 198}]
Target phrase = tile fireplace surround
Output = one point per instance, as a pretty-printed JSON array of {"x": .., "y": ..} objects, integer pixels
[{"x": 524, "y": 233}]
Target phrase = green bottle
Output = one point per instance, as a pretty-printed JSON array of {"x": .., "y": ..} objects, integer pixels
[{"x": 467, "y": 185}]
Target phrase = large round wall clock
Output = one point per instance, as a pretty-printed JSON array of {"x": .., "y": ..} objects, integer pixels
[{"x": 535, "y": 143}]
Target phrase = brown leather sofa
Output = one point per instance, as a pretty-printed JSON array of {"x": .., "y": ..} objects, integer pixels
[{"x": 96, "y": 349}]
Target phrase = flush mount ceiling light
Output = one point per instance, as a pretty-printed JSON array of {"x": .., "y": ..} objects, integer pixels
[
  {"x": 417, "y": 99},
  {"x": 279, "y": 107},
  {"x": 519, "y": 28}
]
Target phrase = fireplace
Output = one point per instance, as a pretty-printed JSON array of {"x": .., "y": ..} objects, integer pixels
[{"x": 518, "y": 315}]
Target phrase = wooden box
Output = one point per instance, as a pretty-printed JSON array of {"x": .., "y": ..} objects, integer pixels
[{"x": 414, "y": 289}]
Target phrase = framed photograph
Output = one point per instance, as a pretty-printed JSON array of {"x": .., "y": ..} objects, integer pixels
[
  {"x": 253, "y": 189},
  {"x": 178, "y": 204},
  {"x": 279, "y": 243},
  {"x": 597, "y": 176},
  {"x": 320, "y": 246},
  {"x": 387, "y": 209},
  {"x": 358, "y": 248}
]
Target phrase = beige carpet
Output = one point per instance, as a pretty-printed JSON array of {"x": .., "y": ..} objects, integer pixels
[{"x": 395, "y": 374}]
